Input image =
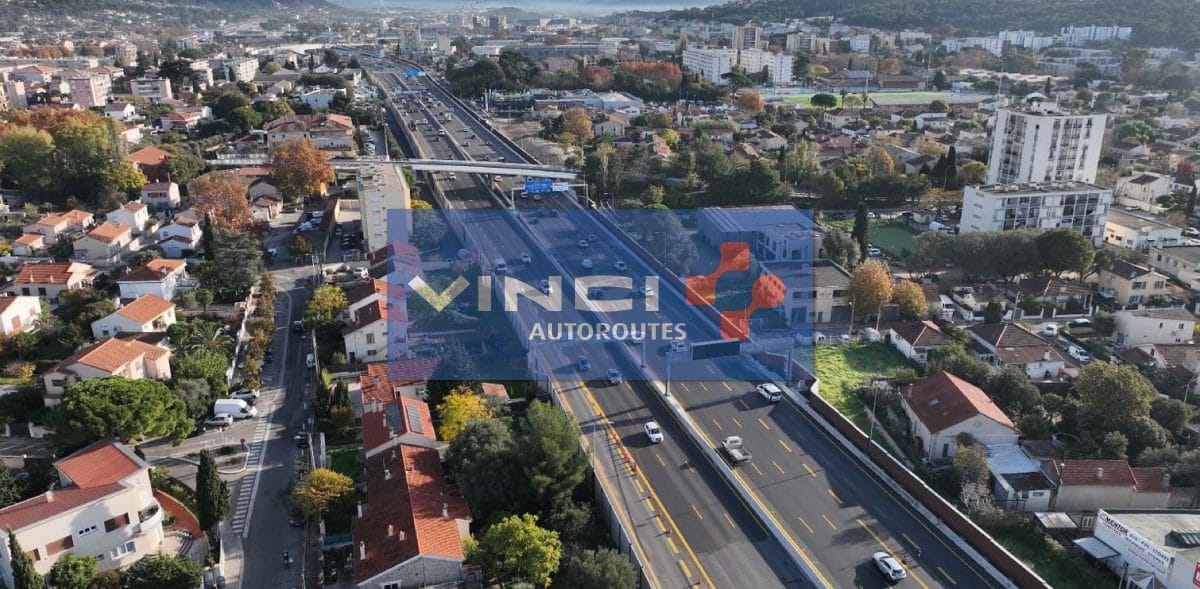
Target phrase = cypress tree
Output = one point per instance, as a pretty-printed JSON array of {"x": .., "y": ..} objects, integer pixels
[
  {"x": 24, "y": 575},
  {"x": 861, "y": 226},
  {"x": 208, "y": 237},
  {"x": 212, "y": 493}
]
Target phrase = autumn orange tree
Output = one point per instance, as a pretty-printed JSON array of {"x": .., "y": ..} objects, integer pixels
[
  {"x": 577, "y": 123},
  {"x": 300, "y": 169},
  {"x": 750, "y": 101},
  {"x": 870, "y": 287},
  {"x": 911, "y": 299},
  {"x": 223, "y": 194}
]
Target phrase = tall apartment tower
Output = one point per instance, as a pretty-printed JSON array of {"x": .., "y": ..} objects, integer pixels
[
  {"x": 748, "y": 37},
  {"x": 1041, "y": 143}
]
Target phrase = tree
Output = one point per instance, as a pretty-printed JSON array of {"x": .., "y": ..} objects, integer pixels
[
  {"x": 842, "y": 249},
  {"x": 455, "y": 368},
  {"x": 862, "y": 227},
  {"x": 825, "y": 101},
  {"x": 1114, "y": 446},
  {"x": 484, "y": 461},
  {"x": 870, "y": 287},
  {"x": 577, "y": 122},
  {"x": 204, "y": 297},
  {"x": 515, "y": 550},
  {"x": 1103, "y": 387},
  {"x": 180, "y": 168},
  {"x": 1064, "y": 250},
  {"x": 1172, "y": 414},
  {"x": 222, "y": 196},
  {"x": 10, "y": 487},
  {"x": 244, "y": 118},
  {"x": 160, "y": 571},
  {"x": 939, "y": 106},
  {"x": 328, "y": 301},
  {"x": 971, "y": 463},
  {"x": 604, "y": 568},
  {"x": 932, "y": 148},
  {"x": 973, "y": 173},
  {"x": 299, "y": 245},
  {"x": 178, "y": 71},
  {"x": 939, "y": 80},
  {"x": 1011, "y": 390},
  {"x": 879, "y": 162},
  {"x": 28, "y": 154},
  {"x": 25, "y": 576},
  {"x": 547, "y": 443},
  {"x": 911, "y": 299},
  {"x": 212, "y": 493},
  {"x": 993, "y": 313},
  {"x": 130, "y": 410},
  {"x": 197, "y": 394},
  {"x": 750, "y": 101},
  {"x": 458, "y": 409},
  {"x": 319, "y": 489},
  {"x": 300, "y": 169},
  {"x": 236, "y": 266},
  {"x": 72, "y": 571}
]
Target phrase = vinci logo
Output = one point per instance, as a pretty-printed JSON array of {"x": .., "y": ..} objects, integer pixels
[{"x": 767, "y": 292}]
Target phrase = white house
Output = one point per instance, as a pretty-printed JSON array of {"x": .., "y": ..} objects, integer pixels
[
  {"x": 164, "y": 195},
  {"x": 1010, "y": 344},
  {"x": 145, "y": 314},
  {"x": 1137, "y": 230},
  {"x": 129, "y": 357},
  {"x": 157, "y": 277},
  {"x": 1153, "y": 326},
  {"x": 943, "y": 406},
  {"x": 121, "y": 111},
  {"x": 1181, "y": 263},
  {"x": 916, "y": 339},
  {"x": 1142, "y": 191},
  {"x": 18, "y": 314},
  {"x": 103, "y": 507},
  {"x": 134, "y": 214}
]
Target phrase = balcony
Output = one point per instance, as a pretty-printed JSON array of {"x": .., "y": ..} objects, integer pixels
[{"x": 148, "y": 518}]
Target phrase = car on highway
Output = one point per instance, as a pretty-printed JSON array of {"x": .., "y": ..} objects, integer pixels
[
  {"x": 310, "y": 360},
  {"x": 678, "y": 346},
  {"x": 653, "y": 432},
  {"x": 526, "y": 258},
  {"x": 614, "y": 376},
  {"x": 586, "y": 263},
  {"x": 646, "y": 291},
  {"x": 770, "y": 392},
  {"x": 619, "y": 266},
  {"x": 734, "y": 451},
  {"x": 546, "y": 287},
  {"x": 583, "y": 243},
  {"x": 889, "y": 566},
  {"x": 583, "y": 364}
]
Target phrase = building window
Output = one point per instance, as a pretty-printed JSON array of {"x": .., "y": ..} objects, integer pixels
[
  {"x": 122, "y": 550},
  {"x": 370, "y": 338},
  {"x": 86, "y": 531},
  {"x": 116, "y": 523}
]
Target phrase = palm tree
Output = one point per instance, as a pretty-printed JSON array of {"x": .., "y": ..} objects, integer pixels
[{"x": 208, "y": 336}]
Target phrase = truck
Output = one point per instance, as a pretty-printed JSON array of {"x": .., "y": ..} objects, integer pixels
[
  {"x": 734, "y": 451},
  {"x": 238, "y": 408}
]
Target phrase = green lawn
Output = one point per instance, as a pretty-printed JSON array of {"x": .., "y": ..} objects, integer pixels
[
  {"x": 344, "y": 459},
  {"x": 842, "y": 369},
  {"x": 1052, "y": 562},
  {"x": 805, "y": 99},
  {"x": 893, "y": 238}
]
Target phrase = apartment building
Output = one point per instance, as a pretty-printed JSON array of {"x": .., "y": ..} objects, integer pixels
[
  {"x": 92, "y": 90},
  {"x": 239, "y": 69},
  {"x": 778, "y": 65},
  {"x": 1072, "y": 205},
  {"x": 103, "y": 507},
  {"x": 327, "y": 132},
  {"x": 710, "y": 63},
  {"x": 410, "y": 39},
  {"x": 382, "y": 188},
  {"x": 749, "y": 37},
  {"x": 1041, "y": 143},
  {"x": 714, "y": 63},
  {"x": 154, "y": 89}
]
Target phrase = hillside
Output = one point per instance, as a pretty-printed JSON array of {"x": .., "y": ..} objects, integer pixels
[
  {"x": 1154, "y": 22},
  {"x": 17, "y": 14}
]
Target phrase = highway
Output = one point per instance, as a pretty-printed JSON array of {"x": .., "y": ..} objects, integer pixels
[{"x": 705, "y": 535}]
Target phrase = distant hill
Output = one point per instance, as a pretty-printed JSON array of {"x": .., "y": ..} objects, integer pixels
[
  {"x": 16, "y": 14},
  {"x": 1155, "y": 22}
]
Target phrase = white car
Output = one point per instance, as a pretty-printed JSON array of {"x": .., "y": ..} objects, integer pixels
[
  {"x": 526, "y": 258},
  {"x": 646, "y": 291},
  {"x": 546, "y": 287},
  {"x": 583, "y": 243},
  {"x": 310, "y": 360},
  {"x": 873, "y": 251},
  {"x": 770, "y": 392},
  {"x": 1050, "y": 330},
  {"x": 889, "y": 566},
  {"x": 653, "y": 432},
  {"x": 614, "y": 376},
  {"x": 218, "y": 421},
  {"x": 1080, "y": 354},
  {"x": 677, "y": 346},
  {"x": 619, "y": 266}
]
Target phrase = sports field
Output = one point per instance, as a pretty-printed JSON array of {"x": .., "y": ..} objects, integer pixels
[{"x": 805, "y": 99}]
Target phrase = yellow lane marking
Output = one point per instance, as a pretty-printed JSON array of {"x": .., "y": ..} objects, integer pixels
[
  {"x": 785, "y": 446},
  {"x": 947, "y": 575},
  {"x": 697, "y": 512},
  {"x": 889, "y": 551},
  {"x": 729, "y": 519},
  {"x": 757, "y": 469},
  {"x": 727, "y": 386},
  {"x": 639, "y": 486},
  {"x": 736, "y": 422},
  {"x": 777, "y": 467},
  {"x": 703, "y": 386},
  {"x": 811, "y": 472},
  {"x": 662, "y": 528},
  {"x": 835, "y": 497},
  {"x": 660, "y": 460},
  {"x": 671, "y": 543},
  {"x": 909, "y": 540},
  {"x": 764, "y": 424},
  {"x": 806, "y": 526},
  {"x": 826, "y": 518},
  {"x": 687, "y": 573},
  {"x": 716, "y": 423}
]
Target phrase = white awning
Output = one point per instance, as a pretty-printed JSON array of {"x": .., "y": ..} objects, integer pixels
[{"x": 1097, "y": 549}]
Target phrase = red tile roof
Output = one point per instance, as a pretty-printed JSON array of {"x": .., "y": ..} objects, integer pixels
[
  {"x": 51, "y": 503},
  {"x": 153, "y": 271},
  {"x": 108, "y": 232},
  {"x": 145, "y": 308},
  {"x": 411, "y": 419},
  {"x": 379, "y": 382},
  {"x": 29, "y": 239},
  {"x": 376, "y": 311},
  {"x": 920, "y": 333},
  {"x": 101, "y": 463},
  {"x": 943, "y": 400},
  {"x": 51, "y": 273},
  {"x": 111, "y": 354},
  {"x": 1094, "y": 472},
  {"x": 148, "y": 156},
  {"x": 1151, "y": 479},
  {"x": 411, "y": 511}
]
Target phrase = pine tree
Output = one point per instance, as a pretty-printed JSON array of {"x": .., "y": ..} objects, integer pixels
[
  {"x": 23, "y": 573},
  {"x": 212, "y": 493}
]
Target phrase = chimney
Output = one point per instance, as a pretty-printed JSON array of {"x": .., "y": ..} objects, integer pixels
[
  {"x": 402, "y": 535},
  {"x": 391, "y": 530},
  {"x": 362, "y": 550},
  {"x": 359, "y": 508},
  {"x": 50, "y": 496},
  {"x": 1046, "y": 355},
  {"x": 445, "y": 511},
  {"x": 1099, "y": 472},
  {"x": 387, "y": 475}
]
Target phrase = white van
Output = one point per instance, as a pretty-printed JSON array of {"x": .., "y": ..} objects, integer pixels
[
  {"x": 501, "y": 266},
  {"x": 238, "y": 408}
]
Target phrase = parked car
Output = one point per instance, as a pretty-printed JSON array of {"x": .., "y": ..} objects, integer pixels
[
  {"x": 248, "y": 395},
  {"x": 217, "y": 421},
  {"x": 310, "y": 360}
]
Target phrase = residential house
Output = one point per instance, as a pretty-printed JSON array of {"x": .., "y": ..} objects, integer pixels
[
  {"x": 50, "y": 279},
  {"x": 320, "y": 98},
  {"x": 105, "y": 245},
  {"x": 942, "y": 407},
  {"x": 1010, "y": 344},
  {"x": 103, "y": 507},
  {"x": 149, "y": 160},
  {"x": 1142, "y": 191},
  {"x": 121, "y": 111},
  {"x": 135, "y": 214},
  {"x": 1087, "y": 486},
  {"x": 972, "y": 301},
  {"x": 186, "y": 118},
  {"x": 328, "y": 132},
  {"x": 396, "y": 262},
  {"x": 378, "y": 322},
  {"x": 266, "y": 207},
  {"x": 162, "y": 195},
  {"x": 157, "y": 277},
  {"x": 29, "y": 244},
  {"x": 1153, "y": 326},
  {"x": 916, "y": 339},
  {"x": 385, "y": 382},
  {"x": 1069, "y": 297},
  {"x": 812, "y": 291},
  {"x": 767, "y": 140},
  {"x": 837, "y": 118},
  {"x": 1181, "y": 263},
  {"x": 19, "y": 314},
  {"x": 401, "y": 420},
  {"x": 1140, "y": 231},
  {"x": 146, "y": 314},
  {"x": 1126, "y": 283},
  {"x": 179, "y": 237},
  {"x": 127, "y": 356},
  {"x": 614, "y": 124},
  {"x": 55, "y": 226},
  {"x": 1018, "y": 482},
  {"x": 263, "y": 186}
]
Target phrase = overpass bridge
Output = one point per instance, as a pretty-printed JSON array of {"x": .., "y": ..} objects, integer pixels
[{"x": 424, "y": 165}]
